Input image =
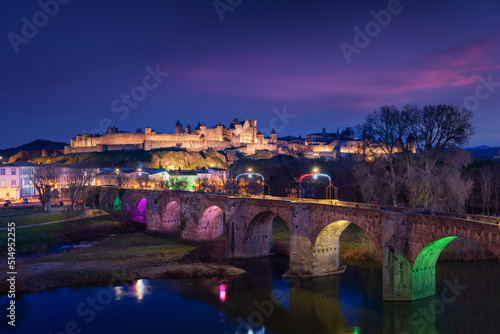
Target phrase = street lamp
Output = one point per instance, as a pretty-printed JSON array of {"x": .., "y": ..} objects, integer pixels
[
  {"x": 315, "y": 176},
  {"x": 249, "y": 175}
]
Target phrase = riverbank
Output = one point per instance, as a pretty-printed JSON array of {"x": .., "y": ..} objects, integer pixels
[{"x": 125, "y": 257}]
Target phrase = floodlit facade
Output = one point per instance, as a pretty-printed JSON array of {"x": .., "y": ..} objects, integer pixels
[{"x": 15, "y": 182}]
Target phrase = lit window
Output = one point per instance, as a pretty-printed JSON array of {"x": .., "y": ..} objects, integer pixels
[{"x": 2, "y": 184}]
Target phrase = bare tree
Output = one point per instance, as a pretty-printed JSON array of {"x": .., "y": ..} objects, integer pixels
[
  {"x": 122, "y": 179},
  {"x": 437, "y": 129},
  {"x": 78, "y": 179},
  {"x": 382, "y": 137},
  {"x": 230, "y": 187},
  {"x": 44, "y": 178}
]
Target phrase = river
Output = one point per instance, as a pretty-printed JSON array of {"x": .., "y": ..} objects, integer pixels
[{"x": 467, "y": 301}]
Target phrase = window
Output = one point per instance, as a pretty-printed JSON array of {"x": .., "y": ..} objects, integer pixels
[
  {"x": 13, "y": 171},
  {"x": 2, "y": 171},
  {"x": 12, "y": 183},
  {"x": 2, "y": 184}
]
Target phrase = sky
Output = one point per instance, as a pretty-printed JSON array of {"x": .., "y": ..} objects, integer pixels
[{"x": 70, "y": 66}]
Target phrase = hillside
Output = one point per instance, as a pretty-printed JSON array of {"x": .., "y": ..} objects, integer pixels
[
  {"x": 483, "y": 152},
  {"x": 172, "y": 158},
  {"x": 36, "y": 145}
]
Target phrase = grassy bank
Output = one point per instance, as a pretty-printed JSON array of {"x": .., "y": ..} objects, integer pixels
[
  {"x": 39, "y": 239},
  {"x": 356, "y": 245},
  {"x": 121, "y": 257},
  {"x": 25, "y": 219}
]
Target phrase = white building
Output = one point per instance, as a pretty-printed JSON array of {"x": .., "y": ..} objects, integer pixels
[
  {"x": 65, "y": 175},
  {"x": 15, "y": 182}
]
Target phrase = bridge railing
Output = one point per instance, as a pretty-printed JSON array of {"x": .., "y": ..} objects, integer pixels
[{"x": 419, "y": 211}]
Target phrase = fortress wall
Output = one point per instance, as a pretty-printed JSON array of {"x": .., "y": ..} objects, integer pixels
[
  {"x": 120, "y": 139},
  {"x": 172, "y": 137},
  {"x": 69, "y": 150},
  {"x": 211, "y": 134},
  {"x": 126, "y": 147},
  {"x": 218, "y": 145},
  {"x": 157, "y": 144},
  {"x": 110, "y": 139}
]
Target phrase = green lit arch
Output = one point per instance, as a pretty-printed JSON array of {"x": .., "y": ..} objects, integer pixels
[
  {"x": 423, "y": 272},
  {"x": 117, "y": 203}
]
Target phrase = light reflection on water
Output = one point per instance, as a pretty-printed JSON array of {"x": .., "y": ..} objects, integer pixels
[
  {"x": 137, "y": 290},
  {"x": 261, "y": 302}
]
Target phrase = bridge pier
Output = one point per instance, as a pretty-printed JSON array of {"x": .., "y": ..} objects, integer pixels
[{"x": 315, "y": 242}]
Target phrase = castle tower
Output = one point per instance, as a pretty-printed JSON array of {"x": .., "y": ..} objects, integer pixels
[
  {"x": 253, "y": 125},
  {"x": 178, "y": 128},
  {"x": 188, "y": 128},
  {"x": 220, "y": 131},
  {"x": 236, "y": 125},
  {"x": 260, "y": 138},
  {"x": 274, "y": 137},
  {"x": 203, "y": 129}
]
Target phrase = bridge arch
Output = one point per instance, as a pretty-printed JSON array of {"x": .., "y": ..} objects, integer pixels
[
  {"x": 209, "y": 225},
  {"x": 326, "y": 248},
  {"x": 117, "y": 203},
  {"x": 171, "y": 217},
  {"x": 141, "y": 211},
  {"x": 259, "y": 235},
  {"x": 423, "y": 272},
  {"x": 412, "y": 281}
]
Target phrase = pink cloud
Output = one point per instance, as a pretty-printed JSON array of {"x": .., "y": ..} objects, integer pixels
[{"x": 277, "y": 77}]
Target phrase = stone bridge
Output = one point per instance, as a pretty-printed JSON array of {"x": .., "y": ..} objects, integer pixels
[{"x": 409, "y": 241}]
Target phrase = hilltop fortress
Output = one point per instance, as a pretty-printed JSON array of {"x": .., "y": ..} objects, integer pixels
[
  {"x": 200, "y": 138},
  {"x": 243, "y": 138}
]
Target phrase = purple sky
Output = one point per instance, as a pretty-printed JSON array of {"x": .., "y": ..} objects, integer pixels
[{"x": 265, "y": 55}]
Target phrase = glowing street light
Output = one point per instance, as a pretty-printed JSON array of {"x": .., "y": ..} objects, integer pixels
[
  {"x": 249, "y": 175},
  {"x": 315, "y": 176}
]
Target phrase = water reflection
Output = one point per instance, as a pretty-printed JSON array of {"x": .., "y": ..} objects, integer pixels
[
  {"x": 137, "y": 290},
  {"x": 222, "y": 292},
  {"x": 262, "y": 302}
]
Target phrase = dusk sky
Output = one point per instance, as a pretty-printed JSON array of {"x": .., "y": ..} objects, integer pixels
[{"x": 70, "y": 76}]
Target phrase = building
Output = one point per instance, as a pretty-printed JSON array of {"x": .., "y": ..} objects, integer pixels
[
  {"x": 242, "y": 135},
  {"x": 15, "y": 182},
  {"x": 243, "y": 138},
  {"x": 66, "y": 173}
]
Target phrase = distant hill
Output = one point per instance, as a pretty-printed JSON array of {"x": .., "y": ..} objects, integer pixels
[
  {"x": 36, "y": 145},
  {"x": 483, "y": 152}
]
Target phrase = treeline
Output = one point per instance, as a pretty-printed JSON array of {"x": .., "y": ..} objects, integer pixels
[{"x": 412, "y": 158}]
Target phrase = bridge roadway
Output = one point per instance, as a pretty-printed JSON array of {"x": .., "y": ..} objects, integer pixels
[{"x": 409, "y": 240}]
